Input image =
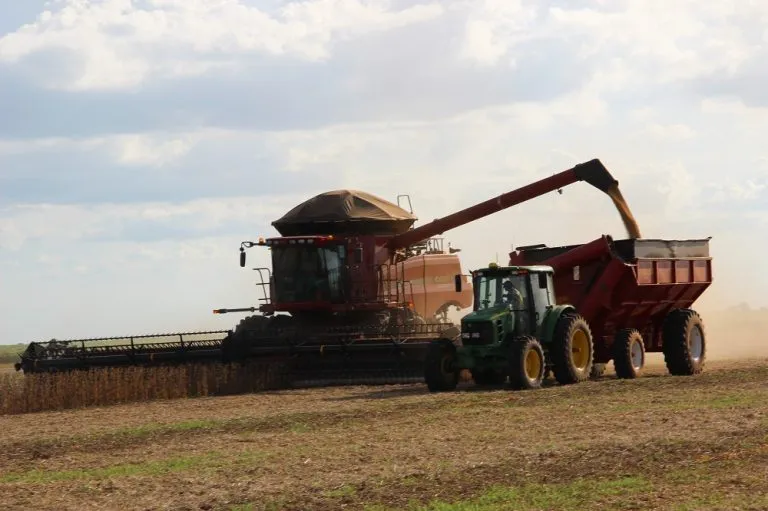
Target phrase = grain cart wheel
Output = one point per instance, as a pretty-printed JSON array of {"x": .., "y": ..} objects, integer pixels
[
  {"x": 526, "y": 364},
  {"x": 684, "y": 342},
  {"x": 440, "y": 373},
  {"x": 628, "y": 353},
  {"x": 598, "y": 370},
  {"x": 572, "y": 349}
]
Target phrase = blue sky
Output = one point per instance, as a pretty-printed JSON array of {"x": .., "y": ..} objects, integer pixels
[{"x": 141, "y": 141}]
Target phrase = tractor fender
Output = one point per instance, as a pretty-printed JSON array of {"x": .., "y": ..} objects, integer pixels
[{"x": 551, "y": 317}]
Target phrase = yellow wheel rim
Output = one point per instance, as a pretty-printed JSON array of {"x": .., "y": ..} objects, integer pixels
[
  {"x": 580, "y": 350},
  {"x": 532, "y": 364}
]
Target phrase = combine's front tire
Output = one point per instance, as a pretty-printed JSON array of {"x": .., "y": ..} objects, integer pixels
[
  {"x": 526, "y": 364},
  {"x": 440, "y": 372},
  {"x": 235, "y": 346},
  {"x": 572, "y": 349},
  {"x": 684, "y": 342},
  {"x": 628, "y": 353}
]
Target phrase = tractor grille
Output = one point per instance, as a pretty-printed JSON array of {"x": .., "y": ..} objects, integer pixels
[{"x": 477, "y": 334}]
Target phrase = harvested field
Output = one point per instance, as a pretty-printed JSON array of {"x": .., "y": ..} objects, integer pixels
[{"x": 659, "y": 442}]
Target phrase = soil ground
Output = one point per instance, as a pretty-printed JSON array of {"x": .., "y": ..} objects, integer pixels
[{"x": 658, "y": 442}]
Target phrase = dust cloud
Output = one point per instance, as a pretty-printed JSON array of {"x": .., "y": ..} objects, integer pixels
[{"x": 736, "y": 333}]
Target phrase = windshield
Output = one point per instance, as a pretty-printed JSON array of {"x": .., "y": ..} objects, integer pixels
[
  {"x": 492, "y": 290},
  {"x": 308, "y": 273}
]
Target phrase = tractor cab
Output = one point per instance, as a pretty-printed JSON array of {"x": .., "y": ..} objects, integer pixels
[{"x": 509, "y": 300}]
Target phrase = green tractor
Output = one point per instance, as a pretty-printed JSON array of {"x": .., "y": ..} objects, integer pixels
[{"x": 515, "y": 331}]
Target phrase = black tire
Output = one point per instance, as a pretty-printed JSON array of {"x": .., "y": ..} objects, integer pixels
[
  {"x": 235, "y": 346},
  {"x": 684, "y": 342},
  {"x": 572, "y": 350},
  {"x": 628, "y": 353},
  {"x": 598, "y": 370},
  {"x": 440, "y": 374},
  {"x": 526, "y": 364},
  {"x": 489, "y": 377}
]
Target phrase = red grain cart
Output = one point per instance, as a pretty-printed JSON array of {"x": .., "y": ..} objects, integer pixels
[{"x": 636, "y": 295}]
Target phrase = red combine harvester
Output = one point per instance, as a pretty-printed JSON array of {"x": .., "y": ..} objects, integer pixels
[
  {"x": 354, "y": 293},
  {"x": 633, "y": 289}
]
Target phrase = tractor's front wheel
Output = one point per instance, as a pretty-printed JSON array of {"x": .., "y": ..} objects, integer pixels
[
  {"x": 628, "y": 353},
  {"x": 684, "y": 343},
  {"x": 572, "y": 349},
  {"x": 440, "y": 371},
  {"x": 526, "y": 364}
]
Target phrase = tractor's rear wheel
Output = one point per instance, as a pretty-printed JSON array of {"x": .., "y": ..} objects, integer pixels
[
  {"x": 440, "y": 372},
  {"x": 684, "y": 342},
  {"x": 572, "y": 349},
  {"x": 628, "y": 353},
  {"x": 526, "y": 364}
]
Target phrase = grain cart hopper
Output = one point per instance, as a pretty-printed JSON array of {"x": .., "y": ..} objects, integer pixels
[
  {"x": 636, "y": 295},
  {"x": 354, "y": 291}
]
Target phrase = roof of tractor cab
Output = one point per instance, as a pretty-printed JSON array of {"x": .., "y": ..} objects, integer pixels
[{"x": 538, "y": 268}]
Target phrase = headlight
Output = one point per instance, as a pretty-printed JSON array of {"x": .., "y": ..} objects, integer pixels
[
  {"x": 465, "y": 335},
  {"x": 475, "y": 335}
]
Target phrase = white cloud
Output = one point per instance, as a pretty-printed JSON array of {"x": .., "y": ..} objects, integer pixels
[
  {"x": 731, "y": 106},
  {"x": 146, "y": 150},
  {"x": 118, "y": 44},
  {"x": 662, "y": 42},
  {"x": 671, "y": 131},
  {"x": 23, "y": 146},
  {"x": 494, "y": 27},
  {"x": 73, "y": 223}
]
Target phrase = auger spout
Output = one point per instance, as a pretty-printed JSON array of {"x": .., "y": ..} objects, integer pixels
[{"x": 592, "y": 172}]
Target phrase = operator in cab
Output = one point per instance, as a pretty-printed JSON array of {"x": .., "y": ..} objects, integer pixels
[{"x": 516, "y": 303}]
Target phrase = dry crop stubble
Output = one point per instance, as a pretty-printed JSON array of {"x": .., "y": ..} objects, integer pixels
[
  {"x": 109, "y": 386},
  {"x": 651, "y": 443}
]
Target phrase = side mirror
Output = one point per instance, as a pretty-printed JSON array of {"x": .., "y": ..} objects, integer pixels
[
  {"x": 543, "y": 280},
  {"x": 358, "y": 255},
  {"x": 457, "y": 282},
  {"x": 242, "y": 258}
]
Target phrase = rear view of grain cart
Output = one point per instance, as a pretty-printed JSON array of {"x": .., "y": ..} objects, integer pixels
[{"x": 637, "y": 296}]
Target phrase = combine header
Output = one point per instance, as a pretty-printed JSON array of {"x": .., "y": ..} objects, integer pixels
[{"x": 355, "y": 293}]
